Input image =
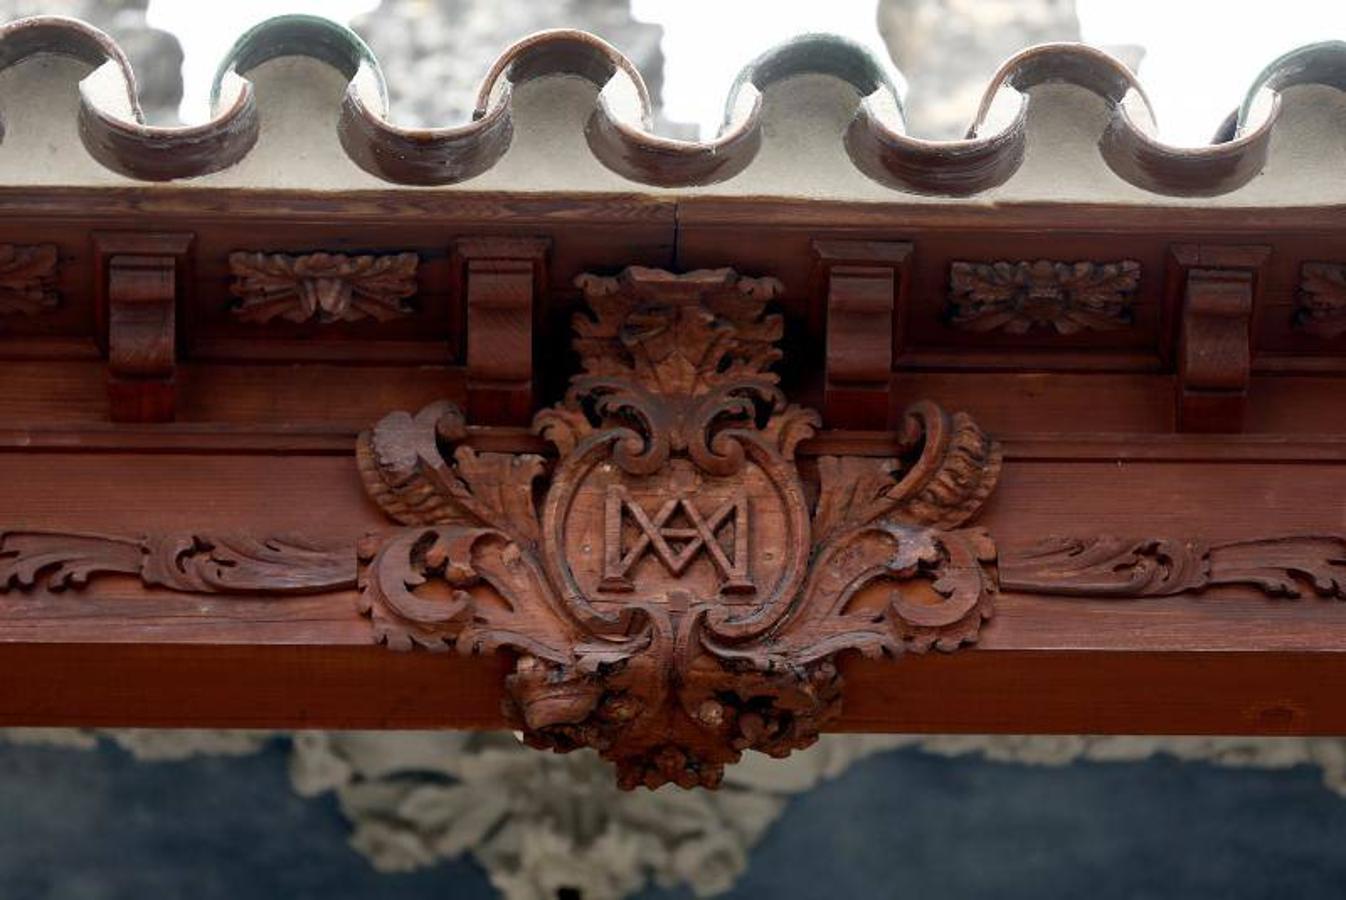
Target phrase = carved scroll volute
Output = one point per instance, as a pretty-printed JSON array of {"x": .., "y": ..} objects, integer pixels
[{"x": 672, "y": 596}]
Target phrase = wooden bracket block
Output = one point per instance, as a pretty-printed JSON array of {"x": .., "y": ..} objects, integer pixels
[
  {"x": 862, "y": 283},
  {"x": 502, "y": 280},
  {"x": 1218, "y": 285},
  {"x": 142, "y": 336},
  {"x": 140, "y": 278}
]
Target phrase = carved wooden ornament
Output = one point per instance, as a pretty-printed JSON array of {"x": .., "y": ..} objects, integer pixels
[
  {"x": 1016, "y": 297},
  {"x": 331, "y": 287},
  {"x": 674, "y": 590},
  {"x": 1321, "y": 300},
  {"x": 28, "y": 279}
]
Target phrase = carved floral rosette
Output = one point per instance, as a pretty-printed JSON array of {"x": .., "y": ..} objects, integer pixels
[
  {"x": 328, "y": 287},
  {"x": 676, "y": 593},
  {"x": 1018, "y": 297}
]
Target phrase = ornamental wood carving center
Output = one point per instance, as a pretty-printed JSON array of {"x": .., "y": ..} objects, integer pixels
[{"x": 680, "y": 594}]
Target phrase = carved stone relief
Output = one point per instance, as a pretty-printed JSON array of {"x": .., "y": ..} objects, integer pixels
[
  {"x": 1017, "y": 297},
  {"x": 1321, "y": 300},
  {"x": 28, "y": 279},
  {"x": 331, "y": 287}
]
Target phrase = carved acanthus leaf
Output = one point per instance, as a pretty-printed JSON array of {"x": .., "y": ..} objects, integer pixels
[
  {"x": 331, "y": 287},
  {"x": 195, "y": 563},
  {"x": 407, "y": 473},
  {"x": 473, "y": 564},
  {"x": 1016, "y": 297},
  {"x": 678, "y": 334},
  {"x": 952, "y": 469},
  {"x": 1321, "y": 301},
  {"x": 1107, "y": 566},
  {"x": 28, "y": 279}
]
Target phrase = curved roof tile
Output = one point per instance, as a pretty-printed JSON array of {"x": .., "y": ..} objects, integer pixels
[{"x": 618, "y": 130}]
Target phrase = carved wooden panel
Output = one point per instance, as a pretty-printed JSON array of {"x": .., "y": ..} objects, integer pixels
[
  {"x": 1017, "y": 297},
  {"x": 502, "y": 281},
  {"x": 27, "y": 279},
  {"x": 328, "y": 287},
  {"x": 1320, "y": 302}
]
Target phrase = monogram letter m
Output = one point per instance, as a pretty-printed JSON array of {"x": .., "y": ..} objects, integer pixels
[{"x": 655, "y": 534}]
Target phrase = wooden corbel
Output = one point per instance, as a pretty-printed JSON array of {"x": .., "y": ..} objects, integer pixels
[
  {"x": 863, "y": 283},
  {"x": 139, "y": 279},
  {"x": 1218, "y": 287},
  {"x": 502, "y": 280}
]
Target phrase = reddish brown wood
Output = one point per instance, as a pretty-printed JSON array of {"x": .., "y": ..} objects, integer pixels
[
  {"x": 198, "y": 563},
  {"x": 863, "y": 283},
  {"x": 644, "y": 625},
  {"x": 28, "y": 279},
  {"x": 116, "y": 655},
  {"x": 502, "y": 280},
  {"x": 1321, "y": 299},
  {"x": 1107, "y": 566},
  {"x": 1016, "y": 297},
  {"x": 1214, "y": 357},
  {"x": 1047, "y": 692},
  {"x": 268, "y": 416},
  {"x": 140, "y": 281},
  {"x": 142, "y": 338},
  {"x": 1219, "y": 285}
]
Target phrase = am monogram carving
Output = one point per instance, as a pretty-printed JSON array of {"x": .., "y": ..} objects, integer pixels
[{"x": 678, "y": 594}]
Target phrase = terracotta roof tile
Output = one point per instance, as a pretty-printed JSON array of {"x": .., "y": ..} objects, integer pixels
[{"x": 867, "y": 134}]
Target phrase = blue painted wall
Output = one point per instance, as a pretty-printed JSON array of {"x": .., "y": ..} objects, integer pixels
[{"x": 100, "y": 826}]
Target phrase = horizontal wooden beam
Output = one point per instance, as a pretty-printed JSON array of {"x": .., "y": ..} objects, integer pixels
[
  {"x": 1226, "y": 660},
  {"x": 977, "y": 691},
  {"x": 337, "y": 440}
]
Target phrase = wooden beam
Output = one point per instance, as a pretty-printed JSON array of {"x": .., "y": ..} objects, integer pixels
[{"x": 981, "y": 691}]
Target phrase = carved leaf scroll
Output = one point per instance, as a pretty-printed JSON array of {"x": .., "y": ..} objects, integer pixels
[
  {"x": 331, "y": 287},
  {"x": 195, "y": 563},
  {"x": 1108, "y": 566},
  {"x": 670, "y": 593},
  {"x": 28, "y": 279},
  {"x": 1017, "y": 297}
]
